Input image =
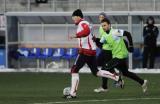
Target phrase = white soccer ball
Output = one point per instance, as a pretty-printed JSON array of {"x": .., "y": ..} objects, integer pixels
[{"x": 66, "y": 91}]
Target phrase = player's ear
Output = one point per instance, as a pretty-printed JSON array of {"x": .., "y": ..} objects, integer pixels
[{"x": 109, "y": 25}]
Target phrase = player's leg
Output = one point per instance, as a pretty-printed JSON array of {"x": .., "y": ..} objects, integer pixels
[
  {"x": 136, "y": 78},
  {"x": 110, "y": 66},
  {"x": 100, "y": 58},
  {"x": 123, "y": 67},
  {"x": 104, "y": 57},
  {"x": 91, "y": 62},
  {"x": 79, "y": 63}
]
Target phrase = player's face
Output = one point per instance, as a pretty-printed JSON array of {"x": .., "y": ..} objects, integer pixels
[
  {"x": 76, "y": 19},
  {"x": 105, "y": 26},
  {"x": 150, "y": 21},
  {"x": 101, "y": 17}
]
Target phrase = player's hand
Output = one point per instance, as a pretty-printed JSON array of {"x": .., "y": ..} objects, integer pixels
[
  {"x": 94, "y": 38},
  {"x": 72, "y": 36}
]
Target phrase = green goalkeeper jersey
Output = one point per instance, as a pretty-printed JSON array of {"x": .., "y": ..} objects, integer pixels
[
  {"x": 116, "y": 42},
  {"x": 102, "y": 33}
]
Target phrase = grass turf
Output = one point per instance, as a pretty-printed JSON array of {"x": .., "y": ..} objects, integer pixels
[{"x": 32, "y": 88}]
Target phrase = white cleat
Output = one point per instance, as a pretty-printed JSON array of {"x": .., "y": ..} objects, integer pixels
[
  {"x": 100, "y": 89},
  {"x": 144, "y": 86}
]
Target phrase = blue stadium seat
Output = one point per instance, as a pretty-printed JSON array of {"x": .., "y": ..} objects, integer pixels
[
  {"x": 29, "y": 53},
  {"x": 70, "y": 53},
  {"x": 23, "y": 52},
  {"x": 45, "y": 53},
  {"x": 34, "y": 53},
  {"x": 57, "y": 53}
]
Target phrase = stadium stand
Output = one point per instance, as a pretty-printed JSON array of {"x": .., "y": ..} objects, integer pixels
[{"x": 86, "y": 5}]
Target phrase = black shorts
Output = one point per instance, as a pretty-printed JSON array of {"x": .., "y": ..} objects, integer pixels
[
  {"x": 120, "y": 64},
  {"x": 104, "y": 57},
  {"x": 82, "y": 60}
]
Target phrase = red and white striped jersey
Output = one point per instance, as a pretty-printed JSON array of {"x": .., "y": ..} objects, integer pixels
[{"x": 84, "y": 35}]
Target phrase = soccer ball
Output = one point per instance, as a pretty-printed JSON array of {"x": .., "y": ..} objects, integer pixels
[{"x": 66, "y": 91}]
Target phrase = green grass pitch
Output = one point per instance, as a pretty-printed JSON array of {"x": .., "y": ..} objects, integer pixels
[{"x": 46, "y": 88}]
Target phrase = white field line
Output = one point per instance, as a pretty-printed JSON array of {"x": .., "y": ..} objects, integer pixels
[{"x": 104, "y": 100}]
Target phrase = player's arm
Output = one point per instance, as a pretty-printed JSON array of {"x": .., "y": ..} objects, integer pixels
[
  {"x": 144, "y": 32},
  {"x": 84, "y": 32},
  {"x": 155, "y": 31},
  {"x": 97, "y": 41},
  {"x": 129, "y": 38}
]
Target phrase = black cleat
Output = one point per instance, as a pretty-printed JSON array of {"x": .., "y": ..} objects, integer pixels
[{"x": 69, "y": 97}]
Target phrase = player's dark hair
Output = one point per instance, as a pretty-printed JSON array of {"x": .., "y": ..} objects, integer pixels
[
  {"x": 103, "y": 14},
  {"x": 78, "y": 12},
  {"x": 106, "y": 20}
]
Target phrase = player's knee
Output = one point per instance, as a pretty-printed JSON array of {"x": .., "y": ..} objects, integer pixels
[
  {"x": 95, "y": 71},
  {"x": 74, "y": 69}
]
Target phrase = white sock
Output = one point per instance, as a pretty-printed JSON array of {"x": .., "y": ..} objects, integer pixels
[
  {"x": 107, "y": 74},
  {"x": 74, "y": 83}
]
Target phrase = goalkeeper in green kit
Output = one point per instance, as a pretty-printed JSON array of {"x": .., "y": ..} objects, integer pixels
[{"x": 119, "y": 52}]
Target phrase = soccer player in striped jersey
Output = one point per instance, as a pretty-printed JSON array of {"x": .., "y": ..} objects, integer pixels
[{"x": 87, "y": 54}]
